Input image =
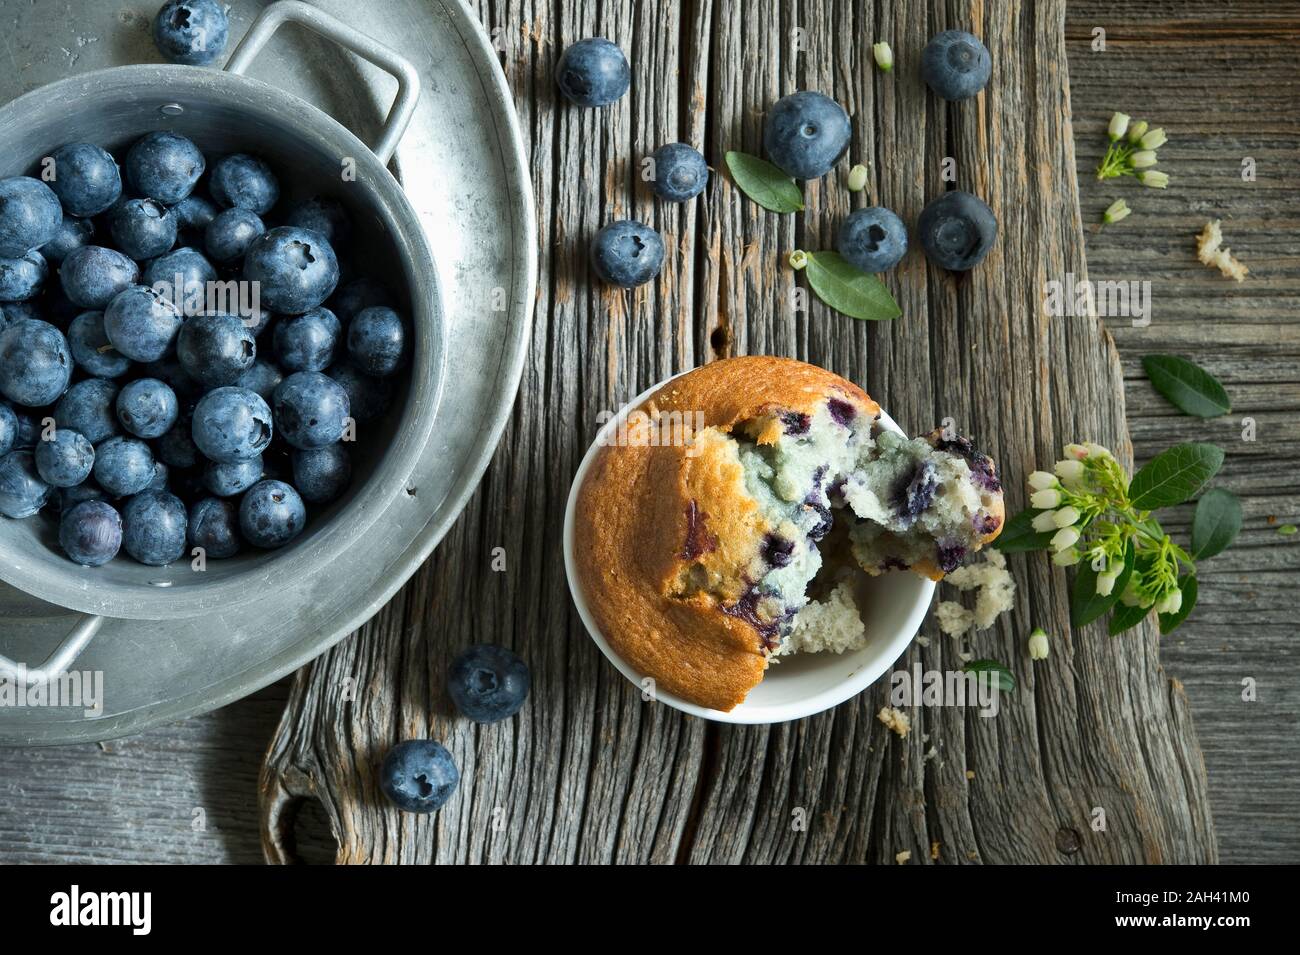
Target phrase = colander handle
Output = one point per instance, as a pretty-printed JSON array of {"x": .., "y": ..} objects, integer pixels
[
  {"x": 294, "y": 11},
  {"x": 58, "y": 661}
]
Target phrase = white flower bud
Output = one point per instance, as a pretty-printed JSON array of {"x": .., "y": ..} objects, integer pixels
[
  {"x": 1044, "y": 522},
  {"x": 1039, "y": 648},
  {"x": 858, "y": 178},
  {"x": 1153, "y": 178},
  {"x": 1045, "y": 500},
  {"x": 1105, "y": 584},
  {"x": 1142, "y": 159},
  {"x": 1041, "y": 480},
  {"x": 1116, "y": 211},
  {"x": 1154, "y": 139},
  {"x": 883, "y": 55},
  {"x": 798, "y": 259},
  {"x": 1118, "y": 126},
  {"x": 1066, "y": 558},
  {"x": 1172, "y": 602},
  {"x": 1076, "y": 451},
  {"x": 1067, "y": 516},
  {"x": 1065, "y": 538},
  {"x": 1070, "y": 472},
  {"x": 1137, "y": 130},
  {"x": 1096, "y": 450}
]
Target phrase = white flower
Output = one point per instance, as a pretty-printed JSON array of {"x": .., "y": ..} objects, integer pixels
[
  {"x": 884, "y": 56},
  {"x": 798, "y": 259},
  {"x": 1066, "y": 558},
  {"x": 1041, "y": 480},
  {"x": 1067, "y": 516},
  {"x": 1045, "y": 500},
  {"x": 1105, "y": 584},
  {"x": 1154, "y": 139},
  {"x": 1137, "y": 131},
  {"x": 1172, "y": 602},
  {"x": 1070, "y": 472},
  {"x": 1118, "y": 126},
  {"x": 1096, "y": 450},
  {"x": 1130, "y": 598},
  {"x": 857, "y": 178},
  {"x": 1065, "y": 538},
  {"x": 1076, "y": 451},
  {"x": 1116, "y": 211},
  {"x": 1153, "y": 178},
  {"x": 1039, "y": 648},
  {"x": 1044, "y": 522},
  {"x": 1142, "y": 158}
]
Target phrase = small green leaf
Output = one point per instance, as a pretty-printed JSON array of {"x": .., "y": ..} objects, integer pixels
[
  {"x": 1215, "y": 523},
  {"x": 1086, "y": 605},
  {"x": 1005, "y": 681},
  {"x": 1018, "y": 535},
  {"x": 1286, "y": 530},
  {"x": 1169, "y": 622},
  {"x": 1175, "y": 475},
  {"x": 1126, "y": 618},
  {"x": 764, "y": 183},
  {"x": 848, "y": 290},
  {"x": 1187, "y": 386}
]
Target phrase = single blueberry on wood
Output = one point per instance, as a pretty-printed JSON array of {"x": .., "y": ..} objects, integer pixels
[
  {"x": 593, "y": 72},
  {"x": 957, "y": 230},
  {"x": 418, "y": 775},
  {"x": 627, "y": 253},
  {"x": 956, "y": 65},
  {"x": 488, "y": 683},
  {"x": 873, "y": 240},
  {"x": 806, "y": 133}
]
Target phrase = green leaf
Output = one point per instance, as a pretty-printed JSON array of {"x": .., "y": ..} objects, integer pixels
[
  {"x": 1086, "y": 605},
  {"x": 1286, "y": 530},
  {"x": 1174, "y": 475},
  {"x": 764, "y": 183},
  {"x": 848, "y": 290},
  {"x": 1018, "y": 535},
  {"x": 1215, "y": 523},
  {"x": 1126, "y": 618},
  {"x": 1169, "y": 622},
  {"x": 1187, "y": 386},
  {"x": 1005, "y": 681}
]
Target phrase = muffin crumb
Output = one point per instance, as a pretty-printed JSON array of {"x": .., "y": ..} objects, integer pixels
[
  {"x": 896, "y": 720},
  {"x": 903, "y": 857},
  {"x": 1209, "y": 252},
  {"x": 996, "y": 593}
]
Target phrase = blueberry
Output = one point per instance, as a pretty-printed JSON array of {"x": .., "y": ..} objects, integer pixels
[
  {"x": 231, "y": 424},
  {"x": 29, "y": 215},
  {"x": 488, "y": 683},
  {"x": 191, "y": 32},
  {"x": 806, "y": 133},
  {"x": 244, "y": 182},
  {"x": 8, "y": 429},
  {"x": 35, "y": 363},
  {"x": 164, "y": 166},
  {"x": 123, "y": 466},
  {"x": 66, "y": 459},
  {"x": 308, "y": 342},
  {"x": 873, "y": 240},
  {"x": 322, "y": 474},
  {"x": 777, "y": 551},
  {"x": 182, "y": 276},
  {"x": 215, "y": 349},
  {"x": 71, "y": 235},
  {"x": 229, "y": 235},
  {"x": 680, "y": 173},
  {"x": 627, "y": 253},
  {"x": 324, "y": 215},
  {"x": 271, "y": 514},
  {"x": 22, "y": 492},
  {"x": 956, "y": 65},
  {"x": 29, "y": 430},
  {"x": 141, "y": 323},
  {"x": 161, "y": 479},
  {"x": 236, "y": 477},
  {"x": 368, "y": 397},
  {"x": 86, "y": 179},
  {"x": 795, "y": 422},
  {"x": 297, "y": 269},
  {"x": 841, "y": 412},
  {"x": 957, "y": 230},
  {"x": 147, "y": 408},
  {"x": 593, "y": 72},
  {"x": 92, "y": 275},
  {"x": 88, "y": 408},
  {"x": 214, "y": 526},
  {"x": 377, "y": 341},
  {"x": 154, "y": 528},
  {"x": 418, "y": 775},
  {"x": 143, "y": 228},
  {"x": 22, "y": 279},
  {"x": 261, "y": 377},
  {"x": 90, "y": 533},
  {"x": 915, "y": 493},
  {"x": 311, "y": 410},
  {"x": 949, "y": 555},
  {"x": 357, "y": 295},
  {"x": 176, "y": 448}
]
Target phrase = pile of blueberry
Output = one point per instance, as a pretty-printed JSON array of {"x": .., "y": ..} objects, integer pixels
[{"x": 147, "y": 419}]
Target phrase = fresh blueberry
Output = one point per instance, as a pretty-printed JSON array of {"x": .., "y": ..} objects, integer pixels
[
  {"x": 873, "y": 240},
  {"x": 231, "y": 424},
  {"x": 215, "y": 349},
  {"x": 322, "y": 474},
  {"x": 311, "y": 410},
  {"x": 22, "y": 279},
  {"x": 123, "y": 466},
  {"x": 214, "y": 526},
  {"x": 271, "y": 514},
  {"x": 66, "y": 459},
  {"x": 176, "y": 448},
  {"x": 29, "y": 430},
  {"x": 8, "y": 429},
  {"x": 307, "y": 342},
  {"x": 627, "y": 253},
  {"x": 90, "y": 533},
  {"x": 357, "y": 295},
  {"x": 368, "y": 397},
  {"x": 229, "y": 235},
  {"x": 92, "y": 275},
  {"x": 161, "y": 479},
  {"x": 957, "y": 230},
  {"x": 86, "y": 179},
  {"x": 154, "y": 528},
  {"x": 377, "y": 341},
  {"x": 22, "y": 492},
  {"x": 88, "y": 408},
  {"x": 191, "y": 32},
  {"x": 296, "y": 268},
  {"x": 806, "y": 133},
  {"x": 418, "y": 775},
  {"x": 141, "y": 323},
  {"x": 261, "y": 377},
  {"x": 164, "y": 167},
  {"x": 680, "y": 172},
  {"x": 143, "y": 228},
  {"x": 488, "y": 683},
  {"x": 593, "y": 72},
  {"x": 236, "y": 477},
  {"x": 193, "y": 213},
  {"x": 29, "y": 215},
  {"x": 956, "y": 65},
  {"x": 324, "y": 215},
  {"x": 182, "y": 275},
  {"x": 35, "y": 363},
  {"x": 147, "y": 408},
  {"x": 244, "y": 182},
  {"x": 72, "y": 234}
]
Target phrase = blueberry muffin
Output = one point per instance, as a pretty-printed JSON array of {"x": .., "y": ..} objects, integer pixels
[{"x": 699, "y": 532}]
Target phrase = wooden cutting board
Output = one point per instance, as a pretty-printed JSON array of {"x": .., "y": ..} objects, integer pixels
[{"x": 588, "y": 772}]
